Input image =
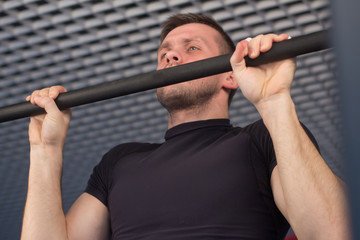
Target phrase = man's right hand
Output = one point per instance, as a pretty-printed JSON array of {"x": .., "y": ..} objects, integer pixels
[
  {"x": 44, "y": 217},
  {"x": 48, "y": 130}
]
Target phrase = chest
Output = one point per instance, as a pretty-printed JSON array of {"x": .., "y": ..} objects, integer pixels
[{"x": 186, "y": 183}]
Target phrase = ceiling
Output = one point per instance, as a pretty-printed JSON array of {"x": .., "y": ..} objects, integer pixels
[{"x": 83, "y": 43}]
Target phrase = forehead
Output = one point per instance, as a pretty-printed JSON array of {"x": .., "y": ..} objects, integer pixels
[{"x": 193, "y": 31}]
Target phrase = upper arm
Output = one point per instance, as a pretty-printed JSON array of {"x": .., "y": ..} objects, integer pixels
[
  {"x": 88, "y": 218},
  {"x": 278, "y": 192}
]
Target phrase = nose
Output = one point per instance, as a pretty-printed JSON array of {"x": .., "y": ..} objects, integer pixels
[{"x": 173, "y": 56}]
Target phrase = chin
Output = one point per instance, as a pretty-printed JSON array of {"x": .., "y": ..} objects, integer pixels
[
  {"x": 173, "y": 98},
  {"x": 185, "y": 96}
]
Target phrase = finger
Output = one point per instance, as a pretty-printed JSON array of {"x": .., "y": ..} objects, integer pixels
[
  {"x": 55, "y": 91},
  {"x": 267, "y": 41},
  {"x": 237, "y": 59},
  {"x": 28, "y": 98},
  {"x": 271, "y": 38},
  {"x": 254, "y": 46},
  {"x": 47, "y": 103},
  {"x": 33, "y": 94},
  {"x": 44, "y": 92},
  {"x": 281, "y": 37}
]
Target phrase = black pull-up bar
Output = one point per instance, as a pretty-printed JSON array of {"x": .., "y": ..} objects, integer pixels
[{"x": 155, "y": 79}]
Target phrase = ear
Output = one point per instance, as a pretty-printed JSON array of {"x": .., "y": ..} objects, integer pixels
[{"x": 229, "y": 81}]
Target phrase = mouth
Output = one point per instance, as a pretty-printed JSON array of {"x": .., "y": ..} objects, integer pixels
[{"x": 169, "y": 65}]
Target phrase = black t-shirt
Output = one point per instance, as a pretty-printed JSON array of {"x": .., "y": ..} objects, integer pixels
[{"x": 208, "y": 180}]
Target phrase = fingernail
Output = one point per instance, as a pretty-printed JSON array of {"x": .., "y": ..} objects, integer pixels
[
  {"x": 289, "y": 37},
  {"x": 248, "y": 39},
  {"x": 252, "y": 53},
  {"x": 27, "y": 98}
]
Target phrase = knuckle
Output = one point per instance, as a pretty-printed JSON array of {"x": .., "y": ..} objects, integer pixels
[
  {"x": 259, "y": 37},
  {"x": 33, "y": 95},
  {"x": 59, "y": 87},
  {"x": 55, "y": 87},
  {"x": 44, "y": 91}
]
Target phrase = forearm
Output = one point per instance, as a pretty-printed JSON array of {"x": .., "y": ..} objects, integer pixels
[
  {"x": 308, "y": 184},
  {"x": 43, "y": 215}
]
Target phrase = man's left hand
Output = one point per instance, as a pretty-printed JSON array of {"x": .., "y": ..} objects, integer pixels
[{"x": 265, "y": 82}]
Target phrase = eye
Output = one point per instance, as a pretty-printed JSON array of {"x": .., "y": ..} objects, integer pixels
[
  {"x": 163, "y": 55},
  {"x": 193, "y": 48}
]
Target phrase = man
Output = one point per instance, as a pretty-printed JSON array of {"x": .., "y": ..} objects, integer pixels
[{"x": 208, "y": 180}]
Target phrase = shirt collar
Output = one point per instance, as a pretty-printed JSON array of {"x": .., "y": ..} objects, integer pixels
[{"x": 190, "y": 126}]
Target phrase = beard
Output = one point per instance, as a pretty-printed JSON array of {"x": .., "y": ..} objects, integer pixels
[{"x": 187, "y": 95}]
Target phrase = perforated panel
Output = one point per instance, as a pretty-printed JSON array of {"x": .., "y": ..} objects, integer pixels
[{"x": 83, "y": 43}]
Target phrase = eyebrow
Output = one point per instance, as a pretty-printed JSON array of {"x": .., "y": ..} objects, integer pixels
[{"x": 185, "y": 41}]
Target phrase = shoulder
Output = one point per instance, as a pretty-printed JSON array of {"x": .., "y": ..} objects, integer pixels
[
  {"x": 115, "y": 155},
  {"x": 124, "y": 149},
  {"x": 258, "y": 133},
  {"x": 256, "y": 128},
  {"x": 260, "y": 136}
]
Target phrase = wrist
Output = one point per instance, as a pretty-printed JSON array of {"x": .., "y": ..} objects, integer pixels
[
  {"x": 277, "y": 109},
  {"x": 46, "y": 149},
  {"x": 46, "y": 157}
]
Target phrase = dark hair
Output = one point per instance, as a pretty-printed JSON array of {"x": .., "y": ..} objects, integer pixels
[{"x": 226, "y": 45}]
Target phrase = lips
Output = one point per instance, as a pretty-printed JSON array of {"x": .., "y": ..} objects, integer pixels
[{"x": 169, "y": 65}]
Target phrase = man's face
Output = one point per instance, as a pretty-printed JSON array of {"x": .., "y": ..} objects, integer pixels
[
  {"x": 185, "y": 44},
  {"x": 188, "y": 43}
]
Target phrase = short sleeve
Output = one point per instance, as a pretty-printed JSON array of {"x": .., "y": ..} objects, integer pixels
[
  {"x": 262, "y": 139},
  {"x": 98, "y": 184},
  {"x": 100, "y": 181}
]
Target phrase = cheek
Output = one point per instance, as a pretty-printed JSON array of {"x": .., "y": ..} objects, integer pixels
[
  {"x": 161, "y": 65},
  {"x": 158, "y": 66}
]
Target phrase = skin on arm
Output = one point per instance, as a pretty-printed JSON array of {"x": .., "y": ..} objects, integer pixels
[
  {"x": 306, "y": 191},
  {"x": 88, "y": 218},
  {"x": 43, "y": 215}
]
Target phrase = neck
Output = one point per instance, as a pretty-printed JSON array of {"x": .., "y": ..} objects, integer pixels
[{"x": 197, "y": 113}]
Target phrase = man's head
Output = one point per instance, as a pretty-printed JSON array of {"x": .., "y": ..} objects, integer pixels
[
  {"x": 179, "y": 38},
  {"x": 226, "y": 45}
]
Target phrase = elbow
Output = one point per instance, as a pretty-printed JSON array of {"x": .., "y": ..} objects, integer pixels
[{"x": 330, "y": 225}]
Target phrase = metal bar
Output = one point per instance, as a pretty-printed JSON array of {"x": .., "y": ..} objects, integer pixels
[{"x": 155, "y": 79}]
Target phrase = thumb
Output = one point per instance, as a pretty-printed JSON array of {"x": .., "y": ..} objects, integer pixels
[{"x": 48, "y": 104}]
